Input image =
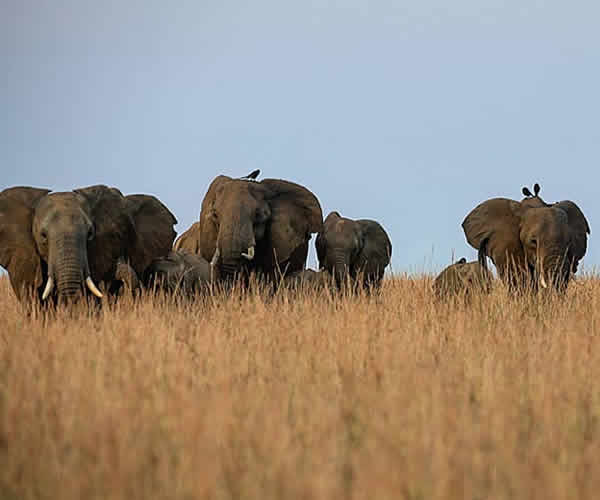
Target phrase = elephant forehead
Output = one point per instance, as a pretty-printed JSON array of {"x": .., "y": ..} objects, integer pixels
[
  {"x": 57, "y": 205},
  {"x": 546, "y": 221},
  {"x": 242, "y": 193},
  {"x": 344, "y": 226}
]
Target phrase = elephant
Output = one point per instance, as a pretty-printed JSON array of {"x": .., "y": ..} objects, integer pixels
[
  {"x": 179, "y": 271},
  {"x": 307, "y": 280},
  {"x": 189, "y": 241},
  {"x": 464, "y": 277},
  {"x": 353, "y": 248},
  {"x": 57, "y": 246},
  {"x": 531, "y": 243},
  {"x": 265, "y": 227}
]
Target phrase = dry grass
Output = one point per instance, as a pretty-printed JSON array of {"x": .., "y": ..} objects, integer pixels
[{"x": 307, "y": 397}]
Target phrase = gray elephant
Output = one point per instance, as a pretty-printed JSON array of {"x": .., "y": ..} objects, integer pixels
[
  {"x": 464, "y": 277},
  {"x": 307, "y": 280},
  {"x": 531, "y": 243},
  {"x": 353, "y": 248},
  {"x": 257, "y": 226},
  {"x": 60, "y": 245},
  {"x": 189, "y": 241},
  {"x": 179, "y": 271}
]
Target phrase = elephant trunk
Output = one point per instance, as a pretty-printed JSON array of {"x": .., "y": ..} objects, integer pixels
[
  {"x": 68, "y": 267},
  {"x": 236, "y": 244},
  {"x": 68, "y": 264},
  {"x": 554, "y": 270},
  {"x": 341, "y": 267}
]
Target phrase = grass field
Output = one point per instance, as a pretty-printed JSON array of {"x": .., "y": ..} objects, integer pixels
[{"x": 305, "y": 397}]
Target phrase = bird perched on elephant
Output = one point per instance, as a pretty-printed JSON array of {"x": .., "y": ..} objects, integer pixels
[
  {"x": 59, "y": 245},
  {"x": 189, "y": 240},
  {"x": 261, "y": 226},
  {"x": 353, "y": 248},
  {"x": 464, "y": 277},
  {"x": 531, "y": 243},
  {"x": 179, "y": 271}
]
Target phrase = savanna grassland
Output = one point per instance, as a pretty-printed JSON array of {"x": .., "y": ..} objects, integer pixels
[{"x": 309, "y": 397}]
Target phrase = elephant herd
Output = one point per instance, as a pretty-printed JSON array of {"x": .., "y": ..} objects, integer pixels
[
  {"x": 94, "y": 241},
  {"x": 533, "y": 245}
]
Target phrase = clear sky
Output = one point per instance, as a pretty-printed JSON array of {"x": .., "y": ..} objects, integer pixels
[{"x": 407, "y": 112}]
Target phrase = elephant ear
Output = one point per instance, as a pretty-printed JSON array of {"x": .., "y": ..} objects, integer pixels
[
  {"x": 209, "y": 229},
  {"x": 321, "y": 241},
  {"x": 113, "y": 226},
  {"x": 376, "y": 246},
  {"x": 295, "y": 214},
  {"x": 498, "y": 220},
  {"x": 579, "y": 227},
  {"x": 18, "y": 252},
  {"x": 321, "y": 246},
  {"x": 154, "y": 233},
  {"x": 189, "y": 241}
]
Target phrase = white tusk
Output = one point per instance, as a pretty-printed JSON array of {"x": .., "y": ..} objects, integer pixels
[
  {"x": 250, "y": 254},
  {"x": 215, "y": 259},
  {"x": 543, "y": 282},
  {"x": 48, "y": 289},
  {"x": 92, "y": 287}
]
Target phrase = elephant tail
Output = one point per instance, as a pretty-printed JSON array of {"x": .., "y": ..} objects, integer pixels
[{"x": 482, "y": 254}]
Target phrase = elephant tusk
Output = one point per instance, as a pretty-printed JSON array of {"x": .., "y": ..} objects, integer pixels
[
  {"x": 250, "y": 254},
  {"x": 543, "y": 282},
  {"x": 48, "y": 289},
  {"x": 215, "y": 259},
  {"x": 92, "y": 287},
  {"x": 213, "y": 264}
]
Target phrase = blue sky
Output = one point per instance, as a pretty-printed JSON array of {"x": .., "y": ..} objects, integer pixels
[{"x": 409, "y": 113}]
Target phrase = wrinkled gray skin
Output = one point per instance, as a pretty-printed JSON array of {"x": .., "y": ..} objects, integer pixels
[
  {"x": 464, "y": 277},
  {"x": 349, "y": 248},
  {"x": 532, "y": 243},
  {"x": 307, "y": 280},
  {"x": 58, "y": 246},
  {"x": 179, "y": 271},
  {"x": 265, "y": 226}
]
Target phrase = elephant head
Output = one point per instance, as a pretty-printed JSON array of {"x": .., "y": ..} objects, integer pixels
[
  {"x": 349, "y": 247},
  {"x": 263, "y": 225},
  {"x": 189, "y": 241},
  {"x": 530, "y": 242},
  {"x": 58, "y": 244}
]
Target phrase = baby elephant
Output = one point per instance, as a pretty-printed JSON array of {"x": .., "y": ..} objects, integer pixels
[
  {"x": 463, "y": 277},
  {"x": 353, "y": 248},
  {"x": 179, "y": 271},
  {"x": 307, "y": 280}
]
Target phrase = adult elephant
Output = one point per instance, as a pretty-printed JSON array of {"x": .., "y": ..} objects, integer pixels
[
  {"x": 263, "y": 226},
  {"x": 189, "y": 240},
  {"x": 530, "y": 242},
  {"x": 58, "y": 245},
  {"x": 353, "y": 247}
]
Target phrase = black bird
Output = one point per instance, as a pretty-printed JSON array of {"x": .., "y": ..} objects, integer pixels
[{"x": 252, "y": 175}]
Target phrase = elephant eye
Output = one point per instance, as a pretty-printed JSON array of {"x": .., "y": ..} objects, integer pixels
[
  {"x": 44, "y": 235},
  {"x": 533, "y": 242}
]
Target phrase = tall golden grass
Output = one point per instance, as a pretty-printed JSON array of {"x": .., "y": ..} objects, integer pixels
[{"x": 311, "y": 396}]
